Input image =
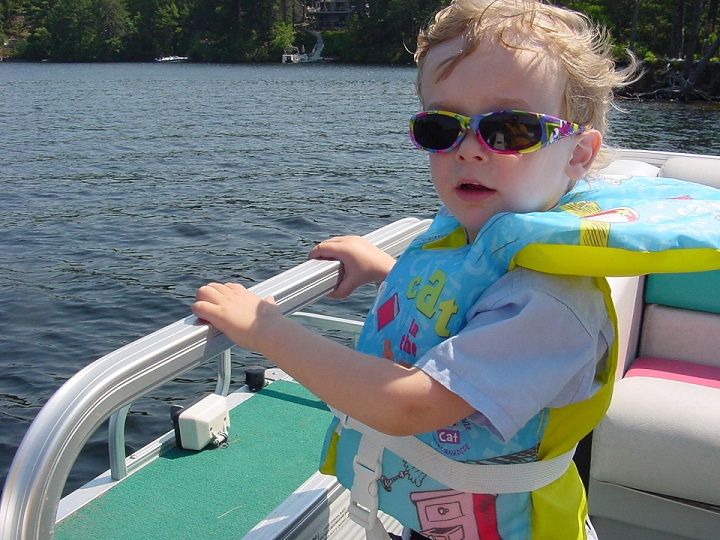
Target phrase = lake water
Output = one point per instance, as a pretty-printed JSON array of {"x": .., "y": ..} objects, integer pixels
[{"x": 127, "y": 186}]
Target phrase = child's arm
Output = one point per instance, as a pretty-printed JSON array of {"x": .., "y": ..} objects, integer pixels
[
  {"x": 384, "y": 395},
  {"x": 361, "y": 261}
]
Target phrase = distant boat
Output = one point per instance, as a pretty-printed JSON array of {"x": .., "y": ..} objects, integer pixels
[
  {"x": 292, "y": 55},
  {"x": 172, "y": 59}
]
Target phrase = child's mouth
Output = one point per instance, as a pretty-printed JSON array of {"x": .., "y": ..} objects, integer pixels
[
  {"x": 473, "y": 192},
  {"x": 473, "y": 187}
]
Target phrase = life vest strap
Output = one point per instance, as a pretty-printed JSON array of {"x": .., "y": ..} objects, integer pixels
[
  {"x": 465, "y": 477},
  {"x": 363, "y": 507},
  {"x": 367, "y": 468}
]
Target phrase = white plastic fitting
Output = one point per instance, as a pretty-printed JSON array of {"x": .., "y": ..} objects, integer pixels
[{"x": 202, "y": 423}]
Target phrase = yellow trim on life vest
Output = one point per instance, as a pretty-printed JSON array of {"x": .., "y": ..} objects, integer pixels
[
  {"x": 328, "y": 465},
  {"x": 566, "y": 424},
  {"x": 595, "y": 261},
  {"x": 552, "y": 516},
  {"x": 456, "y": 239}
]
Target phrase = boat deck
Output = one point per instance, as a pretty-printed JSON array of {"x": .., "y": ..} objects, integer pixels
[{"x": 217, "y": 492}]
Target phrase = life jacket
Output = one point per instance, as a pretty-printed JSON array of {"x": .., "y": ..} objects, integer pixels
[{"x": 464, "y": 481}]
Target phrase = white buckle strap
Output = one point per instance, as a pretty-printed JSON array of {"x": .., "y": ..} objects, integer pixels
[
  {"x": 468, "y": 477},
  {"x": 367, "y": 466},
  {"x": 363, "y": 508}
]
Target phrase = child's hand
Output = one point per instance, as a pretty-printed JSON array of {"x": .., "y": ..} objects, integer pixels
[
  {"x": 361, "y": 262},
  {"x": 236, "y": 312}
]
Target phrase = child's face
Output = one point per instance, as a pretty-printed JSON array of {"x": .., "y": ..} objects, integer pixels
[{"x": 471, "y": 181}]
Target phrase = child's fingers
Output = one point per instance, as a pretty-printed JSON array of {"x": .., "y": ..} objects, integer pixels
[
  {"x": 206, "y": 291},
  {"x": 209, "y": 298},
  {"x": 235, "y": 286},
  {"x": 332, "y": 248},
  {"x": 321, "y": 251},
  {"x": 218, "y": 290},
  {"x": 204, "y": 310}
]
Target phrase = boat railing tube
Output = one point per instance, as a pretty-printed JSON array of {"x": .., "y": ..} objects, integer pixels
[{"x": 43, "y": 461}]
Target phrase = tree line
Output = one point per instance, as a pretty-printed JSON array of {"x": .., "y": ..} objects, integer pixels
[{"x": 378, "y": 31}]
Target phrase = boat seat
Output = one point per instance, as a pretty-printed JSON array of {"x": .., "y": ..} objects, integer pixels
[
  {"x": 701, "y": 170},
  {"x": 655, "y": 466},
  {"x": 633, "y": 167},
  {"x": 698, "y": 169}
]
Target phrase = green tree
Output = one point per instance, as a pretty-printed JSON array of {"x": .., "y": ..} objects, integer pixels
[
  {"x": 69, "y": 29},
  {"x": 693, "y": 37},
  {"x": 161, "y": 27},
  {"x": 12, "y": 27},
  {"x": 112, "y": 26},
  {"x": 283, "y": 36},
  {"x": 37, "y": 41},
  {"x": 253, "y": 30},
  {"x": 165, "y": 23},
  {"x": 386, "y": 30},
  {"x": 87, "y": 30}
]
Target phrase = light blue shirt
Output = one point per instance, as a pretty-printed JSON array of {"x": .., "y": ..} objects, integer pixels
[{"x": 532, "y": 341}]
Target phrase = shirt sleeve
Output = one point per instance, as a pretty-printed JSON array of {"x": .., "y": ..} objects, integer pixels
[{"x": 531, "y": 341}]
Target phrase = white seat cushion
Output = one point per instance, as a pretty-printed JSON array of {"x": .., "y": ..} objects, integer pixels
[
  {"x": 661, "y": 436},
  {"x": 701, "y": 170},
  {"x": 630, "y": 167}
]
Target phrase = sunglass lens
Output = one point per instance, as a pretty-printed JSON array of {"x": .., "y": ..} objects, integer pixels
[
  {"x": 507, "y": 132},
  {"x": 436, "y": 131}
]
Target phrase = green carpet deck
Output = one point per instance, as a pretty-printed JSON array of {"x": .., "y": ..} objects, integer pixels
[{"x": 275, "y": 440}]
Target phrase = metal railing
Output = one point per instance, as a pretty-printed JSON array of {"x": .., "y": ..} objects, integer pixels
[
  {"x": 110, "y": 384},
  {"x": 119, "y": 466}
]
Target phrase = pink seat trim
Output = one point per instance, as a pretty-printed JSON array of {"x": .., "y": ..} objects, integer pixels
[{"x": 675, "y": 370}]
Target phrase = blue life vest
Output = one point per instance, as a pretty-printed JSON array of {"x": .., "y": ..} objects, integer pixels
[{"x": 603, "y": 227}]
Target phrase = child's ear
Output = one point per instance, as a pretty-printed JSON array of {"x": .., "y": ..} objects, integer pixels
[{"x": 587, "y": 146}]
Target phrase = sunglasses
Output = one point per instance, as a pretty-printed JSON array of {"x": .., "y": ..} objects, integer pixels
[{"x": 502, "y": 132}]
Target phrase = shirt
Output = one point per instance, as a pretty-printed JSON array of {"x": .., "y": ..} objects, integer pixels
[{"x": 532, "y": 340}]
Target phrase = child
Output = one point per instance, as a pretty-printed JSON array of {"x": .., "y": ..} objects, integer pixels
[{"x": 487, "y": 368}]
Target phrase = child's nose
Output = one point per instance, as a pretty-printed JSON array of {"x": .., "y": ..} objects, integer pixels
[{"x": 470, "y": 147}]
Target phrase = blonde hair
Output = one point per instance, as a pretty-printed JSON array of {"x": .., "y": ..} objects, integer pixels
[{"x": 583, "y": 49}]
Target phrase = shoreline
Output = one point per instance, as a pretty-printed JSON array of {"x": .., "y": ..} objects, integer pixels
[{"x": 660, "y": 80}]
